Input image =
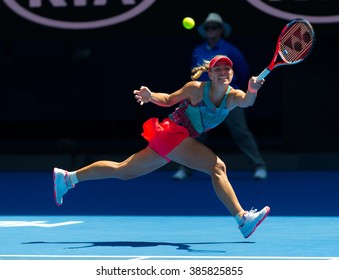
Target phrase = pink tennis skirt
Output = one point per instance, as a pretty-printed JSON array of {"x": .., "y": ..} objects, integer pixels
[{"x": 165, "y": 136}]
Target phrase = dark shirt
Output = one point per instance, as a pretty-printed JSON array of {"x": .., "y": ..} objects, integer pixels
[{"x": 240, "y": 66}]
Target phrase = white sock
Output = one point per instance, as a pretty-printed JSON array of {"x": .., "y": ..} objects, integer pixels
[{"x": 73, "y": 177}]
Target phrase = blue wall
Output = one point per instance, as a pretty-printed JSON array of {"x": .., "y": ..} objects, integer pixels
[{"x": 294, "y": 193}]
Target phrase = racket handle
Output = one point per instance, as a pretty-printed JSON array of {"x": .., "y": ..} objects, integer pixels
[{"x": 263, "y": 74}]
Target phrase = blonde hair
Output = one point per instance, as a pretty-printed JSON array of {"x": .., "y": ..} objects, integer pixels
[{"x": 197, "y": 71}]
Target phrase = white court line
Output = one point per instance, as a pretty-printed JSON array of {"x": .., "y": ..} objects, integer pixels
[
  {"x": 171, "y": 257},
  {"x": 44, "y": 224}
]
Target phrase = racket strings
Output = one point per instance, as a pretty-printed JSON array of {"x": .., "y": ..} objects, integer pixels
[{"x": 296, "y": 42}]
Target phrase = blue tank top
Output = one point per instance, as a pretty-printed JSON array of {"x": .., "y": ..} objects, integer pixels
[{"x": 201, "y": 117}]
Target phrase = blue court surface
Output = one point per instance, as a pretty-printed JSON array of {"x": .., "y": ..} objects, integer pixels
[{"x": 154, "y": 218}]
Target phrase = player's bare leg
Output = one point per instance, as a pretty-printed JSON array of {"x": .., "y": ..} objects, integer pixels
[
  {"x": 138, "y": 164},
  {"x": 141, "y": 163},
  {"x": 195, "y": 155}
]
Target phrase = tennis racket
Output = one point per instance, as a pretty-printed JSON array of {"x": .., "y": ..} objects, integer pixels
[{"x": 294, "y": 44}]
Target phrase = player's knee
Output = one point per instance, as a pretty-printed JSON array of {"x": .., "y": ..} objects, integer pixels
[
  {"x": 119, "y": 171},
  {"x": 219, "y": 167},
  {"x": 125, "y": 174}
]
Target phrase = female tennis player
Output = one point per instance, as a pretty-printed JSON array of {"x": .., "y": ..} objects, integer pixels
[{"x": 201, "y": 107}]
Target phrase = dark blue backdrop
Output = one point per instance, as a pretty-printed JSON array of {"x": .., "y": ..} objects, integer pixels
[{"x": 67, "y": 86}]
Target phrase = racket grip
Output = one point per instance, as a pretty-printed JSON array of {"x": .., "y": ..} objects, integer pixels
[{"x": 263, "y": 74}]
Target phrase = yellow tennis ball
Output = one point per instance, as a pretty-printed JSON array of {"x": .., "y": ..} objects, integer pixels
[{"x": 188, "y": 22}]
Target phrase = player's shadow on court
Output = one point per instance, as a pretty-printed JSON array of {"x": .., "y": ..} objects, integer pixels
[{"x": 142, "y": 244}]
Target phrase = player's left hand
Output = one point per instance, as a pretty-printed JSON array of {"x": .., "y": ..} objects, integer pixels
[{"x": 143, "y": 95}]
